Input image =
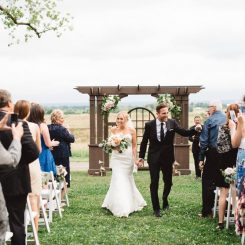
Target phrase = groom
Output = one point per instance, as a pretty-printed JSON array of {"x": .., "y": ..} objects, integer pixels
[{"x": 160, "y": 133}]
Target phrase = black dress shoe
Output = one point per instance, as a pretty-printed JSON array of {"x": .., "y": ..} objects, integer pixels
[
  {"x": 157, "y": 213},
  {"x": 165, "y": 205}
]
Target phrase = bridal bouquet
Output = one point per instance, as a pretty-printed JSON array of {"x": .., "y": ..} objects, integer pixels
[
  {"x": 115, "y": 142},
  {"x": 229, "y": 174},
  {"x": 61, "y": 172}
]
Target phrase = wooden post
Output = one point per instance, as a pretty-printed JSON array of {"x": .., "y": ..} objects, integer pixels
[
  {"x": 181, "y": 143},
  {"x": 95, "y": 152},
  {"x": 106, "y": 156}
]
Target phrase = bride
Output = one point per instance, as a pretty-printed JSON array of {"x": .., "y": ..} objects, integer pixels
[{"x": 123, "y": 196}]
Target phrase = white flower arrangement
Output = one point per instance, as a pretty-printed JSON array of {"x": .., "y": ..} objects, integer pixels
[
  {"x": 170, "y": 101},
  {"x": 109, "y": 103},
  {"x": 61, "y": 172},
  {"x": 102, "y": 168},
  {"x": 229, "y": 175}
]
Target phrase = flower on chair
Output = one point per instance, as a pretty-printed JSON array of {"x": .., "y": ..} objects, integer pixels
[
  {"x": 229, "y": 175},
  {"x": 61, "y": 172},
  {"x": 109, "y": 103}
]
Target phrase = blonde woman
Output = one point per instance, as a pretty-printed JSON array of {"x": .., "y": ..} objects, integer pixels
[
  {"x": 123, "y": 196},
  {"x": 59, "y": 132},
  {"x": 22, "y": 108}
]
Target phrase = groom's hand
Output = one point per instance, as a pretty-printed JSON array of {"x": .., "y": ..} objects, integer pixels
[{"x": 140, "y": 162}]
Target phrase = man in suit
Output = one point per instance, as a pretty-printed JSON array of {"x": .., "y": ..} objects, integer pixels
[
  {"x": 160, "y": 133},
  {"x": 195, "y": 146},
  {"x": 16, "y": 181}
]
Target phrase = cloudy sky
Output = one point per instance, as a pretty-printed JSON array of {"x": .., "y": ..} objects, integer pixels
[{"x": 131, "y": 42}]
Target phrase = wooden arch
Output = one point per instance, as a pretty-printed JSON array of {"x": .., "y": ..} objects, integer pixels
[{"x": 99, "y": 123}]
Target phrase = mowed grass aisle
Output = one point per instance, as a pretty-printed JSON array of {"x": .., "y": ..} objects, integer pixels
[{"x": 85, "y": 222}]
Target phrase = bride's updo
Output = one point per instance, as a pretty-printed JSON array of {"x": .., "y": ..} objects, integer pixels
[{"x": 124, "y": 114}]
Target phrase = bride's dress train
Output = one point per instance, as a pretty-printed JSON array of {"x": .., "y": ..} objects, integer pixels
[{"x": 123, "y": 196}]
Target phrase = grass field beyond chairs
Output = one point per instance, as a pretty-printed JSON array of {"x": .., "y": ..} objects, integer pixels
[{"x": 85, "y": 222}]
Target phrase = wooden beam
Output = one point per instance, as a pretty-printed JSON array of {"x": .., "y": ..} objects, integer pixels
[{"x": 117, "y": 90}]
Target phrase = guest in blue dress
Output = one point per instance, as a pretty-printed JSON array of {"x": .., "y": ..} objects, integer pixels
[{"x": 46, "y": 158}]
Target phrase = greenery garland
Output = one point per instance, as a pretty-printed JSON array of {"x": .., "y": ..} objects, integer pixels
[
  {"x": 109, "y": 103},
  {"x": 170, "y": 101}
]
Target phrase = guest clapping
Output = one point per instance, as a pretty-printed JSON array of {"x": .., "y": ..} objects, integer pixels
[{"x": 59, "y": 132}]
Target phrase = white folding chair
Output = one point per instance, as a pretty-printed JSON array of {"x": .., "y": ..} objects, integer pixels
[
  {"x": 216, "y": 198},
  {"x": 29, "y": 218},
  {"x": 63, "y": 186},
  {"x": 52, "y": 196},
  {"x": 243, "y": 239},
  {"x": 44, "y": 219},
  {"x": 8, "y": 236},
  {"x": 230, "y": 200}
]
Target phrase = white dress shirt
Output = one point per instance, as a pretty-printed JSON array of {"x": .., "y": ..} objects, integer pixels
[{"x": 158, "y": 124}]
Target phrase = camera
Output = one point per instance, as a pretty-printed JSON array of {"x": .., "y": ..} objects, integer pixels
[
  {"x": 233, "y": 116},
  {"x": 13, "y": 119}
]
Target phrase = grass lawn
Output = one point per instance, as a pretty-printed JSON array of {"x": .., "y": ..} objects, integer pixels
[{"x": 84, "y": 222}]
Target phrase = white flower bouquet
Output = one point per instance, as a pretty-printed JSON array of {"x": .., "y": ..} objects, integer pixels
[
  {"x": 229, "y": 175},
  {"x": 115, "y": 142},
  {"x": 61, "y": 173}
]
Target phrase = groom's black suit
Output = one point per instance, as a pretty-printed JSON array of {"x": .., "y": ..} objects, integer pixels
[{"x": 161, "y": 156}]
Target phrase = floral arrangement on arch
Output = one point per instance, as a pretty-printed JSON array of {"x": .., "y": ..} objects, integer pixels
[
  {"x": 109, "y": 103},
  {"x": 170, "y": 101}
]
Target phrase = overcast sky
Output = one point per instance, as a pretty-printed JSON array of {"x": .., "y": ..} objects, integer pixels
[{"x": 131, "y": 42}]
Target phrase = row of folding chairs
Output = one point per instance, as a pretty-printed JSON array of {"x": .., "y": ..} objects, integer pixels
[
  {"x": 228, "y": 218},
  {"x": 50, "y": 201}
]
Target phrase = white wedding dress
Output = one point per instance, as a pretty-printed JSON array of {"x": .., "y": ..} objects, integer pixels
[{"x": 123, "y": 196}]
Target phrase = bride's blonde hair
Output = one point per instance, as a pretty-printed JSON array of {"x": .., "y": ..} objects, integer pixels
[
  {"x": 124, "y": 114},
  {"x": 127, "y": 118}
]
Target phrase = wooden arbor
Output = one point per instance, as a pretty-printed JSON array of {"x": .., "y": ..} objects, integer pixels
[{"x": 99, "y": 124}]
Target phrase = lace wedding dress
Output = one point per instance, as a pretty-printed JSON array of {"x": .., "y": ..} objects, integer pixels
[{"x": 123, "y": 196}]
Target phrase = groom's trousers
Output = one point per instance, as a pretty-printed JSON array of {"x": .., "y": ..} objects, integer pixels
[{"x": 155, "y": 169}]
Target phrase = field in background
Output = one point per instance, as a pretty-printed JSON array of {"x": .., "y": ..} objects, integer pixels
[{"x": 79, "y": 126}]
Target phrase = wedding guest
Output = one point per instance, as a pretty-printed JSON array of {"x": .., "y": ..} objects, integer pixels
[
  {"x": 208, "y": 151},
  {"x": 238, "y": 140},
  {"x": 46, "y": 158},
  {"x": 195, "y": 146},
  {"x": 10, "y": 157},
  {"x": 59, "y": 132},
  {"x": 240, "y": 211},
  {"x": 160, "y": 133},
  {"x": 227, "y": 160},
  {"x": 22, "y": 108},
  {"x": 16, "y": 185}
]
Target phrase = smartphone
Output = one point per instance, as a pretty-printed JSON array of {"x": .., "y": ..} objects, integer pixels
[
  {"x": 13, "y": 119},
  {"x": 233, "y": 116},
  {"x": 242, "y": 109}
]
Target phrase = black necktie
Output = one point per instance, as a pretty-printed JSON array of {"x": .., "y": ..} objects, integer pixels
[{"x": 162, "y": 132}]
